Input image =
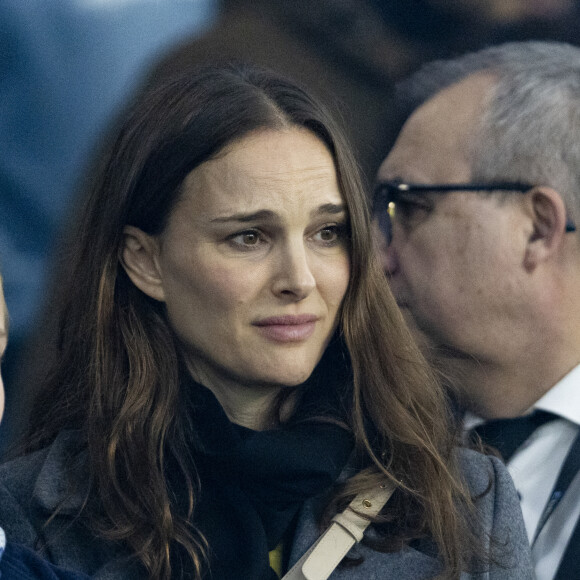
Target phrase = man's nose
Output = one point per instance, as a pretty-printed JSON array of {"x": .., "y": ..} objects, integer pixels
[
  {"x": 389, "y": 259},
  {"x": 384, "y": 249}
]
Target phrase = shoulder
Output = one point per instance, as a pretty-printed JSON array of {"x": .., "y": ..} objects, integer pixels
[
  {"x": 21, "y": 562},
  {"x": 20, "y": 474},
  {"x": 490, "y": 485},
  {"x": 482, "y": 472},
  {"x": 499, "y": 514},
  {"x": 32, "y": 486},
  {"x": 40, "y": 476},
  {"x": 501, "y": 521},
  {"x": 17, "y": 485},
  {"x": 489, "y": 481}
]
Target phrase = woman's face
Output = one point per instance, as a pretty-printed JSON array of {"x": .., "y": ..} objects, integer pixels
[{"x": 254, "y": 262}]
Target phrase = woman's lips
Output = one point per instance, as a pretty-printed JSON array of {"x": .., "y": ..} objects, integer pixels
[{"x": 287, "y": 328}]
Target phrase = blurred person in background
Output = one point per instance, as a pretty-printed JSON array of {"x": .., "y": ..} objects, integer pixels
[{"x": 18, "y": 562}]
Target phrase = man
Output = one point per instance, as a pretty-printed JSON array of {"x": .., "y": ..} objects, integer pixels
[{"x": 485, "y": 261}]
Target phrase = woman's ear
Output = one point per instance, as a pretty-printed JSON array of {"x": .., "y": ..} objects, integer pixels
[
  {"x": 139, "y": 257},
  {"x": 549, "y": 216}
]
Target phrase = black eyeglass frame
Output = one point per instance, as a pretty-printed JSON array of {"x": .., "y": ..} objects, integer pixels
[{"x": 386, "y": 192}]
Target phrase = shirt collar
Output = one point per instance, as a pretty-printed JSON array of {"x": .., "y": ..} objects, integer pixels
[{"x": 563, "y": 398}]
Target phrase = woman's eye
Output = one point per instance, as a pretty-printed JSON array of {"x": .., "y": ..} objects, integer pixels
[
  {"x": 331, "y": 235},
  {"x": 248, "y": 239},
  {"x": 328, "y": 234}
]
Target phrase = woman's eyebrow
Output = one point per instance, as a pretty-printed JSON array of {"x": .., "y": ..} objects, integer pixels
[
  {"x": 245, "y": 217},
  {"x": 266, "y": 214},
  {"x": 332, "y": 208}
]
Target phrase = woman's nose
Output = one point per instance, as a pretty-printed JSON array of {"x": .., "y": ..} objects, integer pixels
[{"x": 294, "y": 277}]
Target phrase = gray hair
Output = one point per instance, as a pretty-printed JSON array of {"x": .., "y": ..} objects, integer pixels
[{"x": 530, "y": 131}]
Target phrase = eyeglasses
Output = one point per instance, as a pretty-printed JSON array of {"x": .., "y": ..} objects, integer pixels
[{"x": 388, "y": 193}]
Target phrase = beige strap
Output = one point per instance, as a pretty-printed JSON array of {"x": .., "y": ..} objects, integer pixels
[{"x": 346, "y": 530}]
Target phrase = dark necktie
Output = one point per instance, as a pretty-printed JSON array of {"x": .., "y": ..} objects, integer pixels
[{"x": 506, "y": 435}]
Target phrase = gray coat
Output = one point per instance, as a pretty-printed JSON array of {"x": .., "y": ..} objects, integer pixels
[{"x": 32, "y": 487}]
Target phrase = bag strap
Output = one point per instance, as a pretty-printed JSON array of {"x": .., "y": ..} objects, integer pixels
[{"x": 347, "y": 528}]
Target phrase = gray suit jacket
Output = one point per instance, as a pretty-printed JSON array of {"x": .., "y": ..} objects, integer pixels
[{"x": 32, "y": 487}]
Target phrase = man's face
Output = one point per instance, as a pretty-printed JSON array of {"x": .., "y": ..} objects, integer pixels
[{"x": 454, "y": 258}]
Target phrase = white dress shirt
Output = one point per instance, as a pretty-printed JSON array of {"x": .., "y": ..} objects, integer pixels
[{"x": 534, "y": 468}]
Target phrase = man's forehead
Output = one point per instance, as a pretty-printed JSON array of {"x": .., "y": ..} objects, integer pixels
[
  {"x": 436, "y": 142},
  {"x": 422, "y": 154}
]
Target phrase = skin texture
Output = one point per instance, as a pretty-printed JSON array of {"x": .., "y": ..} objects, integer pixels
[
  {"x": 479, "y": 276},
  {"x": 259, "y": 232},
  {"x": 430, "y": 262}
]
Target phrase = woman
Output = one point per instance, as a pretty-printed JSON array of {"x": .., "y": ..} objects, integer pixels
[{"x": 233, "y": 369}]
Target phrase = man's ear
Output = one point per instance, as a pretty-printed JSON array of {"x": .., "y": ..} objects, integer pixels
[
  {"x": 548, "y": 213},
  {"x": 139, "y": 257}
]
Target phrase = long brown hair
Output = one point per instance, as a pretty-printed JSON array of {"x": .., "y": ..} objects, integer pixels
[{"x": 116, "y": 375}]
